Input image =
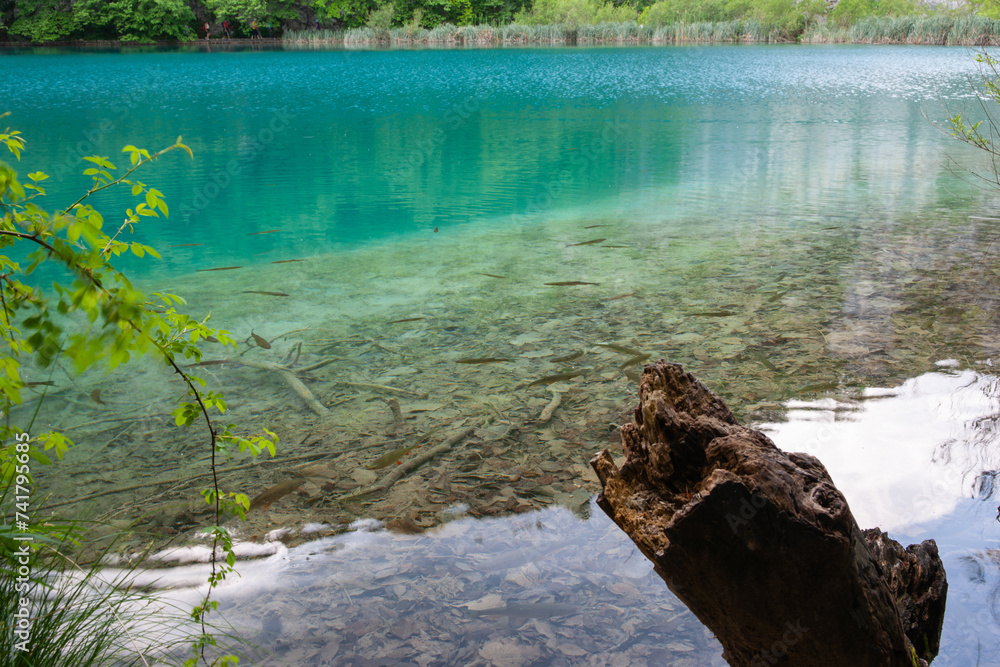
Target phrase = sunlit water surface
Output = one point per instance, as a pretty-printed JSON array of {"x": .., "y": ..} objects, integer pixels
[{"x": 781, "y": 220}]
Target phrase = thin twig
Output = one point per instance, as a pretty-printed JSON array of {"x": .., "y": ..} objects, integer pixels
[
  {"x": 288, "y": 375},
  {"x": 551, "y": 407},
  {"x": 176, "y": 480},
  {"x": 402, "y": 470},
  {"x": 380, "y": 387}
]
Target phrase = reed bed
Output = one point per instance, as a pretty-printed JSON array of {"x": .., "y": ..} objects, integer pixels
[
  {"x": 723, "y": 31},
  {"x": 930, "y": 29},
  {"x": 629, "y": 32}
]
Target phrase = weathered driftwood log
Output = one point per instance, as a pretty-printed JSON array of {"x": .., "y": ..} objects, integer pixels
[{"x": 760, "y": 544}]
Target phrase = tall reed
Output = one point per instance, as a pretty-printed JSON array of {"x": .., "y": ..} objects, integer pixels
[
  {"x": 929, "y": 29},
  {"x": 79, "y": 615}
]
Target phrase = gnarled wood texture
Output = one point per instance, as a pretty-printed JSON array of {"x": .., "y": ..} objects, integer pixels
[{"x": 760, "y": 544}]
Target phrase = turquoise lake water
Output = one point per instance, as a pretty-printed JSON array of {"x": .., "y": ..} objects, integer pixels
[
  {"x": 340, "y": 148},
  {"x": 786, "y": 221}
]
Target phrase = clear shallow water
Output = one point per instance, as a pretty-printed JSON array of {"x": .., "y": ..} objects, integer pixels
[
  {"x": 555, "y": 588},
  {"x": 778, "y": 219}
]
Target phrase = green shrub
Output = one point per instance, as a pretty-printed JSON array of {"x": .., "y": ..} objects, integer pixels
[
  {"x": 666, "y": 12},
  {"x": 848, "y": 12},
  {"x": 575, "y": 13},
  {"x": 380, "y": 19},
  {"x": 773, "y": 19},
  {"x": 45, "y": 20}
]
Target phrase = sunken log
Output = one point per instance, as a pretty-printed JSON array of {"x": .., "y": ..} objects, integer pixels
[{"x": 760, "y": 544}]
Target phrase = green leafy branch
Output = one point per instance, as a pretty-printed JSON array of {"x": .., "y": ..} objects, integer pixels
[
  {"x": 984, "y": 137},
  {"x": 121, "y": 321}
]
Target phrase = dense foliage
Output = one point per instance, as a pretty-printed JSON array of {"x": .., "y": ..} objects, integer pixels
[{"x": 153, "y": 20}]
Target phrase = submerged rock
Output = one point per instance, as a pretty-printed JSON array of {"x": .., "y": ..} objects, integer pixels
[{"x": 760, "y": 544}]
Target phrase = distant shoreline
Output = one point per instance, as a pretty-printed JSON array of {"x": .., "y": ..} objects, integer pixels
[
  {"x": 119, "y": 43},
  {"x": 915, "y": 30}
]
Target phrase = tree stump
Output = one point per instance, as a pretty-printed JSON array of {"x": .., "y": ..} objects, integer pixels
[{"x": 760, "y": 544}]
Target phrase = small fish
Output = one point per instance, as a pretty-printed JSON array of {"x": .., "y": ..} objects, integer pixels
[
  {"x": 223, "y": 268},
  {"x": 776, "y": 296},
  {"x": 633, "y": 376},
  {"x": 595, "y": 226},
  {"x": 716, "y": 313},
  {"x": 253, "y": 291},
  {"x": 634, "y": 360},
  {"x": 408, "y": 319},
  {"x": 622, "y": 296},
  {"x": 287, "y": 261},
  {"x": 522, "y": 610},
  {"x": 765, "y": 361},
  {"x": 493, "y": 275},
  {"x": 44, "y": 383},
  {"x": 558, "y": 377},
  {"x": 435, "y": 230},
  {"x": 590, "y": 242},
  {"x": 95, "y": 396},
  {"x": 568, "y": 357},
  {"x": 186, "y": 245},
  {"x": 274, "y": 493},
  {"x": 570, "y": 283},
  {"x": 211, "y": 339},
  {"x": 390, "y": 458},
  {"x": 260, "y": 341},
  {"x": 620, "y": 348},
  {"x": 210, "y": 362},
  {"x": 482, "y": 360},
  {"x": 269, "y": 231}
]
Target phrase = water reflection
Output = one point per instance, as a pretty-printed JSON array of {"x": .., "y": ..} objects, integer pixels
[
  {"x": 545, "y": 588},
  {"x": 919, "y": 460},
  {"x": 903, "y": 456},
  {"x": 554, "y": 588}
]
